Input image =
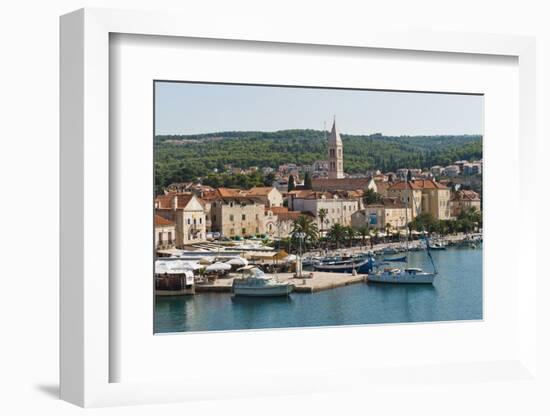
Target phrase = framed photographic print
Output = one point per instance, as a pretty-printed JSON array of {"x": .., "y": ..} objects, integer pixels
[
  {"x": 257, "y": 212},
  {"x": 273, "y": 213}
]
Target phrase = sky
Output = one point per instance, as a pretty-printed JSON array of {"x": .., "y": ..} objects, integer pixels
[{"x": 191, "y": 108}]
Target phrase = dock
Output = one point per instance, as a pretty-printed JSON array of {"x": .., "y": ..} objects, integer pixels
[{"x": 318, "y": 282}]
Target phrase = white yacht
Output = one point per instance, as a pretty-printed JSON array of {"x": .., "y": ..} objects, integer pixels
[
  {"x": 406, "y": 275},
  {"x": 255, "y": 282}
]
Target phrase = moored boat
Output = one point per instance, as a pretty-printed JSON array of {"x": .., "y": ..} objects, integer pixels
[
  {"x": 254, "y": 282},
  {"x": 407, "y": 275},
  {"x": 403, "y": 259},
  {"x": 361, "y": 265}
]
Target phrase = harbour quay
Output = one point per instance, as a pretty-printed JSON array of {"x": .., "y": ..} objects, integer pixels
[{"x": 310, "y": 282}]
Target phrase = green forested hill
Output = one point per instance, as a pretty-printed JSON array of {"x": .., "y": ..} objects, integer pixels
[{"x": 182, "y": 158}]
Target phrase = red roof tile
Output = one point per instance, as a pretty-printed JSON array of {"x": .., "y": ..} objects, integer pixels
[
  {"x": 279, "y": 210},
  {"x": 400, "y": 186},
  {"x": 166, "y": 201},
  {"x": 429, "y": 184},
  {"x": 162, "y": 222}
]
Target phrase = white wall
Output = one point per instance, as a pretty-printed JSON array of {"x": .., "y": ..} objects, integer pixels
[{"x": 29, "y": 160}]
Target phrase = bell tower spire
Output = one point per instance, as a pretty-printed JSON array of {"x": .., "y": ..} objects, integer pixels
[{"x": 335, "y": 153}]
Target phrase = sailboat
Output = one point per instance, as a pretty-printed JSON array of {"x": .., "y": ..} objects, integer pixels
[{"x": 406, "y": 274}]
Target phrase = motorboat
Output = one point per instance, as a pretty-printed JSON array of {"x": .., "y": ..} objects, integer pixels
[
  {"x": 436, "y": 246},
  {"x": 406, "y": 275},
  {"x": 255, "y": 282}
]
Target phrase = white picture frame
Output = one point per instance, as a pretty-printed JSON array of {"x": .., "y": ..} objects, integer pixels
[{"x": 86, "y": 355}]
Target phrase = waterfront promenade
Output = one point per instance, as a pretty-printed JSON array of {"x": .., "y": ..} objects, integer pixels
[{"x": 317, "y": 282}]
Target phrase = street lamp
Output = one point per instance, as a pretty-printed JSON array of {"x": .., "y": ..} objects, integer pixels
[{"x": 300, "y": 235}]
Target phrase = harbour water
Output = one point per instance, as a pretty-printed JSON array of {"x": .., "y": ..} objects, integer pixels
[{"x": 455, "y": 295}]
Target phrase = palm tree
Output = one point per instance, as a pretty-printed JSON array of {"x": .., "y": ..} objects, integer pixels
[
  {"x": 350, "y": 235},
  {"x": 322, "y": 214},
  {"x": 388, "y": 230},
  {"x": 364, "y": 231},
  {"x": 337, "y": 233},
  {"x": 306, "y": 229}
]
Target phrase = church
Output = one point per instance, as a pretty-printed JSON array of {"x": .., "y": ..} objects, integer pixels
[
  {"x": 337, "y": 180},
  {"x": 335, "y": 154}
]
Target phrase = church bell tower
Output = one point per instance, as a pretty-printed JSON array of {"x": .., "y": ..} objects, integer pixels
[{"x": 335, "y": 154}]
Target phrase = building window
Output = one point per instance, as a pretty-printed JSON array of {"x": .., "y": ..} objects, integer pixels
[
  {"x": 169, "y": 236},
  {"x": 160, "y": 237},
  {"x": 231, "y": 217},
  {"x": 188, "y": 221},
  {"x": 232, "y": 231},
  {"x": 257, "y": 230},
  {"x": 243, "y": 217},
  {"x": 243, "y": 231},
  {"x": 200, "y": 220}
]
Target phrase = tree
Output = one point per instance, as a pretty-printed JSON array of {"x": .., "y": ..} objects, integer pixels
[
  {"x": 364, "y": 232},
  {"x": 370, "y": 196},
  {"x": 305, "y": 228},
  {"x": 322, "y": 215},
  {"x": 409, "y": 175},
  {"x": 424, "y": 222},
  {"x": 291, "y": 183},
  {"x": 336, "y": 234},
  {"x": 388, "y": 229},
  {"x": 307, "y": 181},
  {"x": 350, "y": 235},
  {"x": 269, "y": 179}
]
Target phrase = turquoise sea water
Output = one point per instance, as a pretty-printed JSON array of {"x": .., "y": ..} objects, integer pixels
[{"x": 455, "y": 295}]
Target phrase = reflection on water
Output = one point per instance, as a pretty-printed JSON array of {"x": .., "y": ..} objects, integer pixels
[{"x": 455, "y": 295}]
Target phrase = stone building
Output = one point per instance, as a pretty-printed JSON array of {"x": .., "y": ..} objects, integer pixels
[
  {"x": 436, "y": 198},
  {"x": 238, "y": 216},
  {"x": 409, "y": 193},
  {"x": 390, "y": 211},
  {"x": 338, "y": 205},
  {"x": 187, "y": 212},
  {"x": 269, "y": 195},
  {"x": 165, "y": 233},
  {"x": 285, "y": 220},
  {"x": 463, "y": 200}
]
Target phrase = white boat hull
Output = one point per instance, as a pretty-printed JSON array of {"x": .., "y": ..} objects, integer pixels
[
  {"x": 270, "y": 290},
  {"x": 403, "y": 277}
]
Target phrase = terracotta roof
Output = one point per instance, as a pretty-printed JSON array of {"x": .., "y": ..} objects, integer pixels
[
  {"x": 400, "y": 186},
  {"x": 210, "y": 195},
  {"x": 259, "y": 190},
  {"x": 291, "y": 215},
  {"x": 279, "y": 210},
  {"x": 162, "y": 222},
  {"x": 382, "y": 186},
  {"x": 324, "y": 183},
  {"x": 466, "y": 195},
  {"x": 165, "y": 201},
  {"x": 229, "y": 192},
  {"x": 429, "y": 184},
  {"x": 388, "y": 203}
]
